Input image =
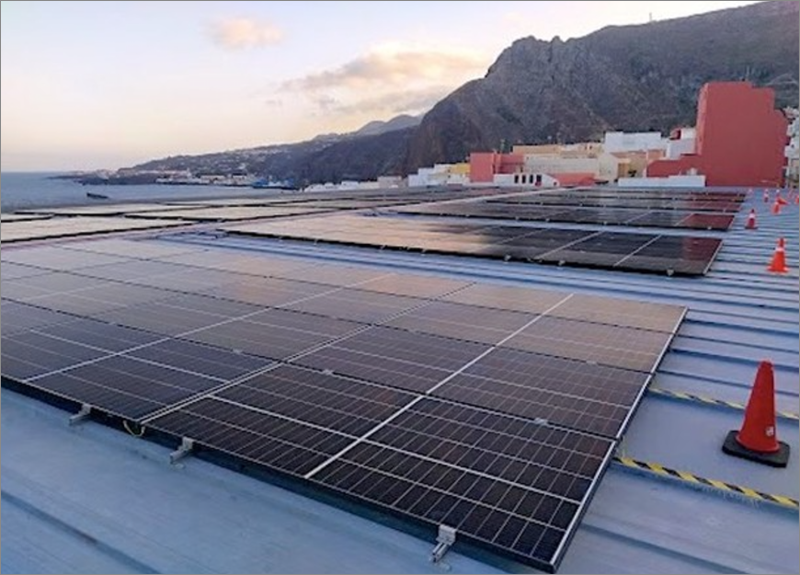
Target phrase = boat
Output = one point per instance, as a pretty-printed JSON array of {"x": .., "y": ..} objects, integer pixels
[{"x": 96, "y": 196}]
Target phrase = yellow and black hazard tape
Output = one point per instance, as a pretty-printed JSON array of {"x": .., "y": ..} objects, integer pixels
[
  {"x": 697, "y": 481},
  {"x": 713, "y": 401}
]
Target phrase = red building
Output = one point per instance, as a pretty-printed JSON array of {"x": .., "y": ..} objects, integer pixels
[
  {"x": 484, "y": 165},
  {"x": 740, "y": 138}
]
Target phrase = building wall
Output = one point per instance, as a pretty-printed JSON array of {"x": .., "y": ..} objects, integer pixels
[
  {"x": 740, "y": 138},
  {"x": 536, "y": 149},
  {"x": 525, "y": 179},
  {"x": 677, "y": 148},
  {"x": 460, "y": 168},
  {"x": 668, "y": 182},
  {"x": 551, "y": 164},
  {"x": 482, "y": 166},
  {"x": 633, "y": 141}
]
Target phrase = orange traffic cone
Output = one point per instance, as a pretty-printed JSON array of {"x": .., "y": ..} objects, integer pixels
[
  {"x": 751, "y": 220},
  {"x": 797, "y": 198},
  {"x": 776, "y": 206},
  {"x": 757, "y": 440},
  {"x": 778, "y": 263},
  {"x": 780, "y": 200}
]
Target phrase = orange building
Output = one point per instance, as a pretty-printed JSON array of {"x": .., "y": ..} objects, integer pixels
[
  {"x": 740, "y": 138},
  {"x": 484, "y": 165}
]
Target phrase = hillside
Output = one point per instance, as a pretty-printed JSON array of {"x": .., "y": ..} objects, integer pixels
[{"x": 643, "y": 77}]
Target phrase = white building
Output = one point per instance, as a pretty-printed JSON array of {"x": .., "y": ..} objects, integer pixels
[
  {"x": 682, "y": 181},
  {"x": 604, "y": 166},
  {"x": 682, "y": 141},
  {"x": 792, "y": 150},
  {"x": 438, "y": 175},
  {"x": 633, "y": 141},
  {"x": 525, "y": 179}
]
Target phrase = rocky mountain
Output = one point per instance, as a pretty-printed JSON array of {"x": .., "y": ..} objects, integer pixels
[
  {"x": 377, "y": 127},
  {"x": 641, "y": 77}
]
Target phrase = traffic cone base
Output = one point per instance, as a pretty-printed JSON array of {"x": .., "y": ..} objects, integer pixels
[{"x": 778, "y": 458}]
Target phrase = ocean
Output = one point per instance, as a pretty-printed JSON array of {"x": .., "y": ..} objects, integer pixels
[{"x": 20, "y": 190}]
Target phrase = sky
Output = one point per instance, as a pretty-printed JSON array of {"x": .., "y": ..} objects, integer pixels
[{"x": 106, "y": 84}]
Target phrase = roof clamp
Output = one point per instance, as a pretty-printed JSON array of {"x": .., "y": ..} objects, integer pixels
[
  {"x": 82, "y": 415},
  {"x": 445, "y": 540},
  {"x": 183, "y": 450}
]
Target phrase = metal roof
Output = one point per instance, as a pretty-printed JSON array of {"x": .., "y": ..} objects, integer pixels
[{"x": 90, "y": 499}]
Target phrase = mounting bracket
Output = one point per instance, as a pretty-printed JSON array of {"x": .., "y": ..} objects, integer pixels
[
  {"x": 82, "y": 415},
  {"x": 183, "y": 450},
  {"x": 445, "y": 540}
]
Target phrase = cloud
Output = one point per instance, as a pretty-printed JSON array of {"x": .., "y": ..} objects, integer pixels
[
  {"x": 388, "y": 80},
  {"x": 389, "y": 67},
  {"x": 239, "y": 33},
  {"x": 400, "y": 102}
]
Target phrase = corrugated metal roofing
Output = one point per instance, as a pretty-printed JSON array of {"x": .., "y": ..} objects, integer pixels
[{"x": 103, "y": 501}]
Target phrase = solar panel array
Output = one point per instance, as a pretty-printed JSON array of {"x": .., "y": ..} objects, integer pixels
[
  {"x": 692, "y": 211},
  {"x": 491, "y": 409},
  {"x": 625, "y": 251},
  {"x": 228, "y": 213},
  {"x": 27, "y": 229},
  {"x": 695, "y": 201}
]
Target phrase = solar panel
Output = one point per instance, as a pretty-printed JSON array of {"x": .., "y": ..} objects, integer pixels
[
  {"x": 137, "y": 249},
  {"x": 508, "y": 297},
  {"x": 460, "y": 321},
  {"x": 591, "y": 398},
  {"x": 356, "y": 305},
  {"x": 77, "y": 226},
  {"x": 284, "y": 318},
  {"x": 413, "y": 285},
  {"x": 124, "y": 386},
  {"x": 253, "y": 435},
  {"x": 565, "y": 213},
  {"x": 621, "y": 312},
  {"x": 272, "y": 342},
  {"x": 159, "y": 317},
  {"x": 11, "y": 271},
  {"x": 52, "y": 283},
  {"x": 99, "y": 335},
  {"x": 57, "y": 258},
  {"x": 267, "y": 291},
  {"x": 213, "y": 362},
  {"x": 331, "y": 274},
  {"x": 625, "y": 347},
  {"x": 394, "y": 357},
  {"x": 237, "y": 263},
  {"x": 31, "y": 354},
  {"x": 227, "y": 213},
  {"x": 19, "y": 317},
  {"x": 132, "y": 270},
  {"x": 511, "y": 485},
  {"x": 333, "y": 402}
]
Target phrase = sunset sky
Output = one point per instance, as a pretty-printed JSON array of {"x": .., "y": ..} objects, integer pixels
[{"x": 89, "y": 85}]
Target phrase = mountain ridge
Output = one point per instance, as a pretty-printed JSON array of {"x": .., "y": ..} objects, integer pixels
[{"x": 632, "y": 78}]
